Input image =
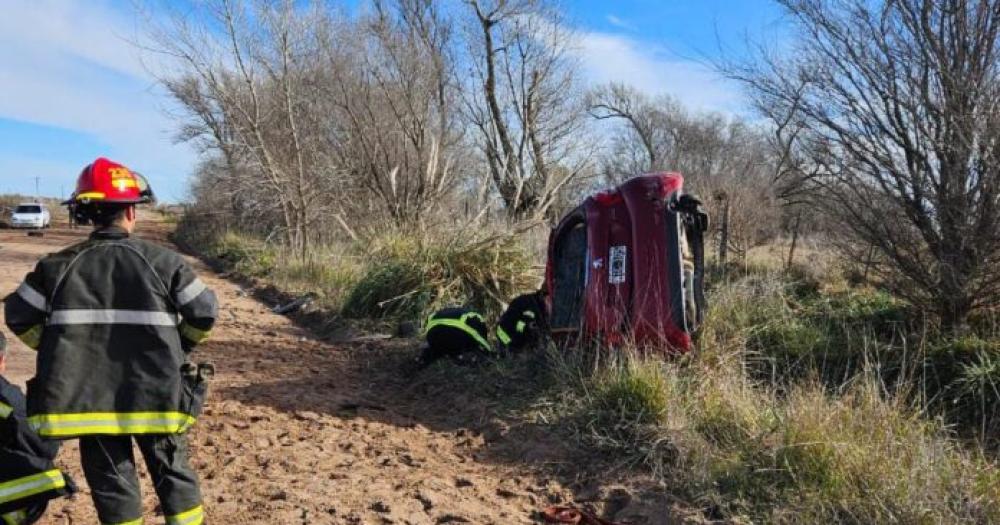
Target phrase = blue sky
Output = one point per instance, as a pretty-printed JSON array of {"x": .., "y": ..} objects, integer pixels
[{"x": 72, "y": 87}]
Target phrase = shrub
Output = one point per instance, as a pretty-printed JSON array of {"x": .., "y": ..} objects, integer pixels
[
  {"x": 393, "y": 288},
  {"x": 244, "y": 254},
  {"x": 633, "y": 393},
  {"x": 411, "y": 274},
  {"x": 788, "y": 338}
]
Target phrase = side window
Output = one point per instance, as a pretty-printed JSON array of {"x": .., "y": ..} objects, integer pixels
[{"x": 570, "y": 271}]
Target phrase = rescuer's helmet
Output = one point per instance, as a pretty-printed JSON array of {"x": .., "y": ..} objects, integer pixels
[{"x": 107, "y": 182}]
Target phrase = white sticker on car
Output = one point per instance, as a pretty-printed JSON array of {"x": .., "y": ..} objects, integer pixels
[{"x": 617, "y": 259}]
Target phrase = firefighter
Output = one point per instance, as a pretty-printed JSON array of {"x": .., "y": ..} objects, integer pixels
[
  {"x": 458, "y": 333},
  {"x": 113, "y": 319},
  {"x": 521, "y": 325},
  {"x": 28, "y": 479}
]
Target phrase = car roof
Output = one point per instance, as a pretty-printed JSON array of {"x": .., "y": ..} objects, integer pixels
[{"x": 31, "y": 204}]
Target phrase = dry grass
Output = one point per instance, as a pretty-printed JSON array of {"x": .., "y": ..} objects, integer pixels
[
  {"x": 807, "y": 401},
  {"x": 408, "y": 275},
  {"x": 792, "y": 445},
  {"x": 802, "y": 456}
]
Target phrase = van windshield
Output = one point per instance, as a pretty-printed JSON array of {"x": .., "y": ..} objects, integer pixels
[{"x": 28, "y": 209}]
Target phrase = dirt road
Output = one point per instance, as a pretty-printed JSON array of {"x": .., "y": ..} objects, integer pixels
[{"x": 298, "y": 430}]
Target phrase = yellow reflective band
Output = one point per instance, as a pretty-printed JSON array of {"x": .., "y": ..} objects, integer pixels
[
  {"x": 32, "y": 337},
  {"x": 110, "y": 423},
  {"x": 503, "y": 336},
  {"x": 459, "y": 324},
  {"x": 521, "y": 325},
  {"x": 18, "y": 517},
  {"x": 194, "y": 516},
  {"x": 193, "y": 334},
  {"x": 129, "y": 522},
  {"x": 5, "y": 410},
  {"x": 28, "y": 486},
  {"x": 90, "y": 195}
]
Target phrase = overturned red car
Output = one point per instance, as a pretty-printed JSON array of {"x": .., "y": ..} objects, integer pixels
[{"x": 627, "y": 265}]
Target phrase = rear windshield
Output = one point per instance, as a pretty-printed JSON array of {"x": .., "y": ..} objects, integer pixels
[{"x": 28, "y": 209}]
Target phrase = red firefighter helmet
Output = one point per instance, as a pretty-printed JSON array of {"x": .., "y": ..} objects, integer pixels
[{"x": 107, "y": 182}]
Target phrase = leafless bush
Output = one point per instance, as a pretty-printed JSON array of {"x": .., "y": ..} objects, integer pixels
[
  {"x": 725, "y": 160},
  {"x": 524, "y": 102},
  {"x": 889, "y": 113}
]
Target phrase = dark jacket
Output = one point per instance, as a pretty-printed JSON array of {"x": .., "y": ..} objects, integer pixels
[
  {"x": 523, "y": 322},
  {"x": 27, "y": 476},
  {"x": 455, "y": 331},
  {"x": 112, "y": 319}
]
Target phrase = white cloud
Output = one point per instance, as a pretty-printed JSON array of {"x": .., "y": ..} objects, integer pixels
[
  {"x": 618, "y": 22},
  {"x": 71, "y": 65},
  {"x": 610, "y": 57}
]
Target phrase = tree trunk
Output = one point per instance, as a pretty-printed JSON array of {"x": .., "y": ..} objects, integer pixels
[
  {"x": 795, "y": 240},
  {"x": 868, "y": 263},
  {"x": 724, "y": 234},
  {"x": 954, "y": 314}
]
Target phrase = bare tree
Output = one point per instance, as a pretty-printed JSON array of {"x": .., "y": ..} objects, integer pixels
[
  {"x": 249, "y": 88},
  {"x": 644, "y": 125},
  {"x": 395, "y": 99},
  {"x": 891, "y": 112},
  {"x": 525, "y": 103},
  {"x": 719, "y": 156}
]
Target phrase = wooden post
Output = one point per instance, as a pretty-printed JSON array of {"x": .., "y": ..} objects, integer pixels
[
  {"x": 724, "y": 231},
  {"x": 795, "y": 239}
]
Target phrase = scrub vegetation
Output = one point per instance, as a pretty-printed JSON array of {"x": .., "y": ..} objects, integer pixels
[
  {"x": 405, "y": 156},
  {"x": 393, "y": 276},
  {"x": 807, "y": 399},
  {"x": 829, "y": 408}
]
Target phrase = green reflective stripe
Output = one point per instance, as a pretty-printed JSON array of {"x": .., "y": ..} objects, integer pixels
[
  {"x": 503, "y": 336},
  {"x": 18, "y": 517},
  {"x": 194, "y": 516},
  {"x": 28, "y": 486},
  {"x": 456, "y": 323},
  {"x": 193, "y": 334},
  {"x": 529, "y": 314},
  {"x": 5, "y": 410},
  {"x": 110, "y": 423},
  {"x": 472, "y": 315},
  {"x": 521, "y": 325},
  {"x": 32, "y": 337},
  {"x": 137, "y": 521}
]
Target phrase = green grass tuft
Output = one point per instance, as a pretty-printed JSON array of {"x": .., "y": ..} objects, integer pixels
[
  {"x": 410, "y": 275},
  {"x": 394, "y": 288}
]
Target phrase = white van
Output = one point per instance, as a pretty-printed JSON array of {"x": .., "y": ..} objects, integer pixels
[{"x": 30, "y": 215}]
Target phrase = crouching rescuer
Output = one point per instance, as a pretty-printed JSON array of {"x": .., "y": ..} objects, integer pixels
[
  {"x": 457, "y": 333},
  {"x": 114, "y": 319},
  {"x": 28, "y": 479}
]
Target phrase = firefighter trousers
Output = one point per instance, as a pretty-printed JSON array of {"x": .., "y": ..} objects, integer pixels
[{"x": 109, "y": 466}]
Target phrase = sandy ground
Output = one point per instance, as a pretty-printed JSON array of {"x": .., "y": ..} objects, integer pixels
[{"x": 299, "y": 430}]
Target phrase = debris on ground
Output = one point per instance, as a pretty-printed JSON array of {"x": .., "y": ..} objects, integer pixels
[{"x": 295, "y": 305}]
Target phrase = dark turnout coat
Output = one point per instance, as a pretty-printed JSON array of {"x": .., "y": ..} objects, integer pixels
[
  {"x": 27, "y": 476},
  {"x": 112, "y": 319},
  {"x": 522, "y": 323}
]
